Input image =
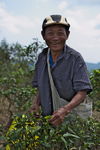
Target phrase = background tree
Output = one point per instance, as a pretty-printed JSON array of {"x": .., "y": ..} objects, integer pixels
[
  {"x": 95, "y": 80},
  {"x": 16, "y": 73}
]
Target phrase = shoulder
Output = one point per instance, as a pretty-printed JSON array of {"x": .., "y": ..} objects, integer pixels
[
  {"x": 73, "y": 54},
  {"x": 41, "y": 60},
  {"x": 72, "y": 51},
  {"x": 42, "y": 55}
]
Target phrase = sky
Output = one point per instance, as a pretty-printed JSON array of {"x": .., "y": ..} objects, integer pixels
[{"x": 21, "y": 21}]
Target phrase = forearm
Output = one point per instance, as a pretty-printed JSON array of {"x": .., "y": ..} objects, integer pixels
[
  {"x": 37, "y": 99},
  {"x": 36, "y": 104},
  {"x": 76, "y": 100},
  {"x": 59, "y": 115}
]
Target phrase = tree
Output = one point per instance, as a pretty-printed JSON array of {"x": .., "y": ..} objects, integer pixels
[{"x": 4, "y": 52}]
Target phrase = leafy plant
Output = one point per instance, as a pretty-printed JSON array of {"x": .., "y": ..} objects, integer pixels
[
  {"x": 95, "y": 80},
  {"x": 28, "y": 132}
]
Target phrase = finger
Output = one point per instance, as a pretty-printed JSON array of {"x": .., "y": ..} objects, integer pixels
[
  {"x": 56, "y": 122},
  {"x": 53, "y": 118},
  {"x": 55, "y": 112}
]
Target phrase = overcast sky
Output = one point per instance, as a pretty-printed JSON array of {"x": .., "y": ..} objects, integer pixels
[{"x": 21, "y": 20}]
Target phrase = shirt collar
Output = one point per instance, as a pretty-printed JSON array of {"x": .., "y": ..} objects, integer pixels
[{"x": 61, "y": 56}]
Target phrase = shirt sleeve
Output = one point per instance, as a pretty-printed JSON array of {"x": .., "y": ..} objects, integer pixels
[
  {"x": 35, "y": 77},
  {"x": 81, "y": 79}
]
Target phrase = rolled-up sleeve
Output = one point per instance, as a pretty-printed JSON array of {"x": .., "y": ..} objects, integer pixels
[{"x": 81, "y": 79}]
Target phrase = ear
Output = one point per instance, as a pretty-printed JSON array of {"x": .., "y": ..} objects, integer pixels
[
  {"x": 43, "y": 34},
  {"x": 67, "y": 32}
]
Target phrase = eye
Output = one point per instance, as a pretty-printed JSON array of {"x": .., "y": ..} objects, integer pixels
[
  {"x": 50, "y": 33},
  {"x": 60, "y": 33}
]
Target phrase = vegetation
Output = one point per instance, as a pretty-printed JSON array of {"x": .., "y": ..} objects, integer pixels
[
  {"x": 20, "y": 130},
  {"x": 95, "y": 80},
  {"x": 30, "y": 133}
]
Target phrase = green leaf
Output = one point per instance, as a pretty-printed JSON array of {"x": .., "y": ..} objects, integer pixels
[
  {"x": 65, "y": 142},
  {"x": 70, "y": 135}
]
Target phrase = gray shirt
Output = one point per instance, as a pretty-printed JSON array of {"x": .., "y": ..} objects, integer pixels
[{"x": 69, "y": 74}]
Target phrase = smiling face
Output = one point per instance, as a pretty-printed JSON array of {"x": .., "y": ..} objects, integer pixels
[{"x": 55, "y": 37}]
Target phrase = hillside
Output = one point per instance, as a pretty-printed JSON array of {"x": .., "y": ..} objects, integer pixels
[{"x": 93, "y": 66}]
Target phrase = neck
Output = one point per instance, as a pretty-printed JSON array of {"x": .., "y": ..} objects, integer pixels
[{"x": 55, "y": 55}]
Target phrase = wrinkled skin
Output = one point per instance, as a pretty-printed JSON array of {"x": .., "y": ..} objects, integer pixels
[{"x": 55, "y": 37}]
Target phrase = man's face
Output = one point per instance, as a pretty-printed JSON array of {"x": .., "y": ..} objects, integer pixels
[{"x": 55, "y": 37}]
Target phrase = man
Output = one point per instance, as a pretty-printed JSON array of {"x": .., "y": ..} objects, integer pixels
[{"x": 67, "y": 68}]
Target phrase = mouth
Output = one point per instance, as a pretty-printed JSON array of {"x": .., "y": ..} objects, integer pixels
[{"x": 55, "y": 44}]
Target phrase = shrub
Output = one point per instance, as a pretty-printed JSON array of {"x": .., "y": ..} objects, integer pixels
[
  {"x": 95, "y": 80},
  {"x": 28, "y": 132}
]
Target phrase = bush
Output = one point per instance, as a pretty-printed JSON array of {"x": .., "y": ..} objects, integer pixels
[
  {"x": 28, "y": 132},
  {"x": 95, "y": 94}
]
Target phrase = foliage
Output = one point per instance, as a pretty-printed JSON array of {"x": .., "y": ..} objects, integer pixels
[
  {"x": 95, "y": 80},
  {"x": 27, "y": 132},
  {"x": 32, "y": 51},
  {"x": 16, "y": 53},
  {"x": 15, "y": 88},
  {"x": 4, "y": 51},
  {"x": 15, "y": 72}
]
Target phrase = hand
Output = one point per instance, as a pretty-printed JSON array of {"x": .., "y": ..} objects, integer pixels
[
  {"x": 58, "y": 116},
  {"x": 35, "y": 109}
]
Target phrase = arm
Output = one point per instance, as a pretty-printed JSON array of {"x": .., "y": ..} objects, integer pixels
[
  {"x": 58, "y": 116},
  {"x": 36, "y": 104},
  {"x": 36, "y": 101},
  {"x": 81, "y": 84}
]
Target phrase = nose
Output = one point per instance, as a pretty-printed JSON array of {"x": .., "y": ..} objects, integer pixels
[{"x": 55, "y": 36}]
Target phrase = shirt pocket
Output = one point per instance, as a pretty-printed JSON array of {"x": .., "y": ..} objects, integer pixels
[{"x": 64, "y": 86}]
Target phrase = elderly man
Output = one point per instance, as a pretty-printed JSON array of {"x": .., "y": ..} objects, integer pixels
[{"x": 60, "y": 73}]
